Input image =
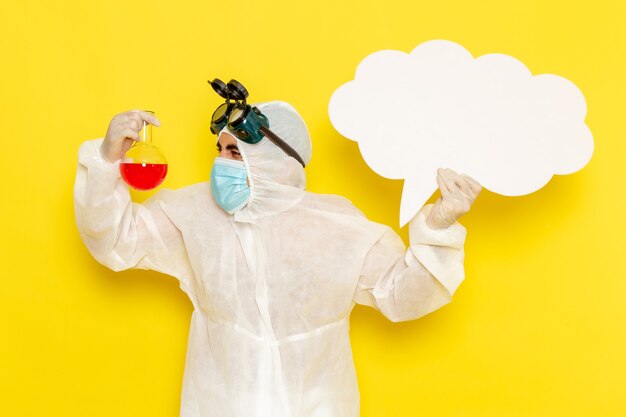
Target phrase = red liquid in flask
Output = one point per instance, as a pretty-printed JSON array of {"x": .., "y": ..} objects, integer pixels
[{"x": 143, "y": 176}]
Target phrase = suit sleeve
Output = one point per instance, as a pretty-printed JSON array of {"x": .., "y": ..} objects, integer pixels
[
  {"x": 118, "y": 233},
  {"x": 404, "y": 284}
]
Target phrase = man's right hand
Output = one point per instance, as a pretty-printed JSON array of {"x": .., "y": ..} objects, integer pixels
[{"x": 123, "y": 130}]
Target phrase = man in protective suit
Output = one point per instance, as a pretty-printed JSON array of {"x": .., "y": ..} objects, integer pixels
[{"x": 273, "y": 271}]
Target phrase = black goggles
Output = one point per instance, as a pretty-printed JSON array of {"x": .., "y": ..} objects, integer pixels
[{"x": 247, "y": 123}]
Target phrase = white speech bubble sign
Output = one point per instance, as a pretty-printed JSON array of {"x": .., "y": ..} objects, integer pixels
[{"x": 487, "y": 117}]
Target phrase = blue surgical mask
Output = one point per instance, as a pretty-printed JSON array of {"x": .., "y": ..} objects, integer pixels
[{"x": 229, "y": 184}]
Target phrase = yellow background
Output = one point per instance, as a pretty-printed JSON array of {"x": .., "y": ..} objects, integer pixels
[{"x": 537, "y": 329}]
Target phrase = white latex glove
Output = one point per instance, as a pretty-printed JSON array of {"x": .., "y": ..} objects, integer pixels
[
  {"x": 458, "y": 192},
  {"x": 123, "y": 130}
]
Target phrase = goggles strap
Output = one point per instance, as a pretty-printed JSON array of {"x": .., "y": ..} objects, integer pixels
[{"x": 282, "y": 144}]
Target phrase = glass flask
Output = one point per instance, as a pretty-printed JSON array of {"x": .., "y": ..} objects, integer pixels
[{"x": 144, "y": 166}]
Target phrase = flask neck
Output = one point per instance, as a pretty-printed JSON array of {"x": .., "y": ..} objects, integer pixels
[{"x": 145, "y": 134}]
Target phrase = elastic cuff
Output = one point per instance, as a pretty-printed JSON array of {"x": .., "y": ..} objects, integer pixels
[
  {"x": 90, "y": 151},
  {"x": 421, "y": 233}
]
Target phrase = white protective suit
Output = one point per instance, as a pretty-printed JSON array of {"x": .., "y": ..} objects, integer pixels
[{"x": 272, "y": 286}]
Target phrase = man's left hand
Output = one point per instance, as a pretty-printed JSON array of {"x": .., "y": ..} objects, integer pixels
[{"x": 458, "y": 192}]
